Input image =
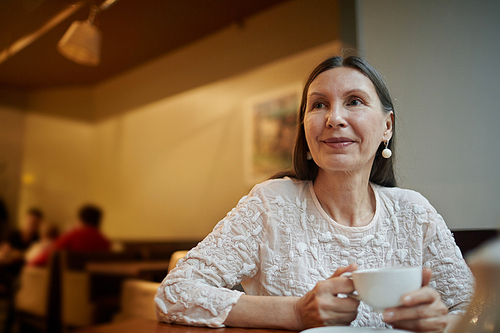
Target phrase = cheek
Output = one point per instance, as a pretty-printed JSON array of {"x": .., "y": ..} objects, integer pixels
[
  {"x": 372, "y": 129},
  {"x": 309, "y": 130}
]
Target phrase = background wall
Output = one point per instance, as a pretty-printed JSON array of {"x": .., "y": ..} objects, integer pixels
[
  {"x": 57, "y": 158},
  {"x": 11, "y": 146},
  {"x": 161, "y": 148},
  {"x": 440, "y": 59},
  {"x": 175, "y": 167}
]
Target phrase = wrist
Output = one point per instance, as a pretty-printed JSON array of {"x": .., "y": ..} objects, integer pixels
[
  {"x": 296, "y": 319},
  {"x": 453, "y": 321}
]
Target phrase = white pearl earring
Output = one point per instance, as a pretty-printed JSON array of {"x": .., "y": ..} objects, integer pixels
[
  {"x": 386, "y": 153},
  {"x": 309, "y": 156}
]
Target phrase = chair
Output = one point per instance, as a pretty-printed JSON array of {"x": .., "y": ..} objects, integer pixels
[
  {"x": 32, "y": 296},
  {"x": 81, "y": 303},
  {"x": 137, "y": 299},
  {"x": 468, "y": 240},
  {"x": 37, "y": 301},
  {"x": 175, "y": 257},
  {"x": 9, "y": 280}
]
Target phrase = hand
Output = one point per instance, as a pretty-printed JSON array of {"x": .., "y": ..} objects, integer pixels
[
  {"x": 322, "y": 307},
  {"x": 422, "y": 310}
]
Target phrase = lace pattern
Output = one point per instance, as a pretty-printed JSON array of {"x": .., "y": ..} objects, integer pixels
[{"x": 279, "y": 241}]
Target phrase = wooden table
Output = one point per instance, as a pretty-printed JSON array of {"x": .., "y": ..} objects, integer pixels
[
  {"x": 133, "y": 269},
  {"x": 106, "y": 278},
  {"x": 152, "y": 326}
]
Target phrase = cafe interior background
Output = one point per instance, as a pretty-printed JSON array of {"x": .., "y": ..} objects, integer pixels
[{"x": 162, "y": 143}]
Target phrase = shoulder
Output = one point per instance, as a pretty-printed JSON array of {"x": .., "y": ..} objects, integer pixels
[
  {"x": 274, "y": 191},
  {"x": 411, "y": 204},
  {"x": 281, "y": 187},
  {"x": 401, "y": 195},
  {"x": 283, "y": 183}
]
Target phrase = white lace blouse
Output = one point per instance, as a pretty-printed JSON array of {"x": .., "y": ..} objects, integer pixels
[{"x": 279, "y": 241}]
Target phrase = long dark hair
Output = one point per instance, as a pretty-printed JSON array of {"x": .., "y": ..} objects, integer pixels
[{"x": 382, "y": 172}]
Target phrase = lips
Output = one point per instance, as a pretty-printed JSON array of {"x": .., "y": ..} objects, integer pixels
[{"x": 339, "y": 142}]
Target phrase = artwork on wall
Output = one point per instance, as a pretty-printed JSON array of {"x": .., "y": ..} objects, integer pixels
[{"x": 270, "y": 132}]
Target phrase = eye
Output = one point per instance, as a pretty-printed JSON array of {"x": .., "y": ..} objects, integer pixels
[
  {"x": 318, "y": 105},
  {"x": 355, "y": 101}
]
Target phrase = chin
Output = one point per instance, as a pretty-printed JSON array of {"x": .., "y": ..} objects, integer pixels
[{"x": 342, "y": 165}]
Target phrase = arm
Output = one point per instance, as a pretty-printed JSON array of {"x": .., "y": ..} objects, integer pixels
[
  {"x": 319, "y": 307},
  {"x": 437, "y": 306},
  {"x": 10, "y": 255},
  {"x": 196, "y": 291},
  {"x": 43, "y": 257},
  {"x": 276, "y": 312},
  {"x": 453, "y": 320}
]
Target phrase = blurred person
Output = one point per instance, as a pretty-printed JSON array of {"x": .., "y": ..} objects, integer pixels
[
  {"x": 19, "y": 240},
  {"x": 4, "y": 218},
  {"x": 85, "y": 236},
  {"x": 12, "y": 251},
  {"x": 48, "y": 235}
]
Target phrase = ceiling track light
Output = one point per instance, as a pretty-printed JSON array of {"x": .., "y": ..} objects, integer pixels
[
  {"x": 82, "y": 41},
  {"x": 26, "y": 40}
]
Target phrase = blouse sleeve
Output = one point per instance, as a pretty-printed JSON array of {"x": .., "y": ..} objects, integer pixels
[
  {"x": 451, "y": 277},
  {"x": 196, "y": 291}
]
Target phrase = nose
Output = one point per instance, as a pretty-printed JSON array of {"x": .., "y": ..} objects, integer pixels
[{"x": 336, "y": 117}]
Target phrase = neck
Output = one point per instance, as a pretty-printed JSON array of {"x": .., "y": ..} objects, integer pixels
[{"x": 347, "y": 198}]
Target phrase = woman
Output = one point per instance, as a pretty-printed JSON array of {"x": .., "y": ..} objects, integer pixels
[{"x": 339, "y": 211}]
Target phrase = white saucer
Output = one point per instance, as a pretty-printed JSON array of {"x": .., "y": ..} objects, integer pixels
[{"x": 348, "y": 329}]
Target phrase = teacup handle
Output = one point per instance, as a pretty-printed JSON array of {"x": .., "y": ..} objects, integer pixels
[{"x": 350, "y": 295}]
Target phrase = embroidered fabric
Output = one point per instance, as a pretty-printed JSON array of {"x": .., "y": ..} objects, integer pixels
[{"x": 279, "y": 241}]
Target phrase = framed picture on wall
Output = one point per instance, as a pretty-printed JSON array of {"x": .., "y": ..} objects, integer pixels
[{"x": 270, "y": 132}]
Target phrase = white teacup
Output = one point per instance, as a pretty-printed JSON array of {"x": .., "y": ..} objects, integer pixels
[{"x": 383, "y": 288}]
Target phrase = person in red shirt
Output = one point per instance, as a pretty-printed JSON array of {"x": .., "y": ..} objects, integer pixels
[{"x": 86, "y": 236}]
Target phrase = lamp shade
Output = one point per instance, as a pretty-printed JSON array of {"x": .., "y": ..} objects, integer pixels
[{"x": 82, "y": 43}]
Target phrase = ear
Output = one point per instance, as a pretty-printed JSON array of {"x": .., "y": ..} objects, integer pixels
[{"x": 389, "y": 121}]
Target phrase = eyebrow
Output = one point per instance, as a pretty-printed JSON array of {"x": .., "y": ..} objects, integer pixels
[
  {"x": 352, "y": 91},
  {"x": 315, "y": 94},
  {"x": 347, "y": 93}
]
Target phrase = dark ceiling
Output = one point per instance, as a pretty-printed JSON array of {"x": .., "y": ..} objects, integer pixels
[{"x": 134, "y": 31}]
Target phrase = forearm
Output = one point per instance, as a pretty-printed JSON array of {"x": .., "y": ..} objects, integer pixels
[
  {"x": 453, "y": 321},
  {"x": 264, "y": 312}
]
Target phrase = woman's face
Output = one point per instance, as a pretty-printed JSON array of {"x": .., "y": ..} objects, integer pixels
[{"x": 344, "y": 121}]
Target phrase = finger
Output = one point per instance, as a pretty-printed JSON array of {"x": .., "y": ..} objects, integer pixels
[
  {"x": 416, "y": 312},
  {"x": 340, "y": 319},
  {"x": 335, "y": 285},
  {"x": 342, "y": 270},
  {"x": 345, "y": 305},
  {"x": 413, "y": 313},
  {"x": 435, "y": 324},
  {"x": 424, "y": 295},
  {"x": 426, "y": 276},
  {"x": 340, "y": 311}
]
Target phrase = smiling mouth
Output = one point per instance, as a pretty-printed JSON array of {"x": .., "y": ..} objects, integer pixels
[{"x": 338, "y": 142}]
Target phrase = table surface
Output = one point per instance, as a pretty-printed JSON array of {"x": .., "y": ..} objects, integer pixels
[
  {"x": 153, "y": 326},
  {"x": 126, "y": 268}
]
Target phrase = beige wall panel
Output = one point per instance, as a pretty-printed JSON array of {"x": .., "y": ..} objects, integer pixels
[
  {"x": 174, "y": 168},
  {"x": 56, "y": 166},
  {"x": 11, "y": 141}
]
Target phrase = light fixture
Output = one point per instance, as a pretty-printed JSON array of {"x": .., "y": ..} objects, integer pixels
[{"x": 82, "y": 41}]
